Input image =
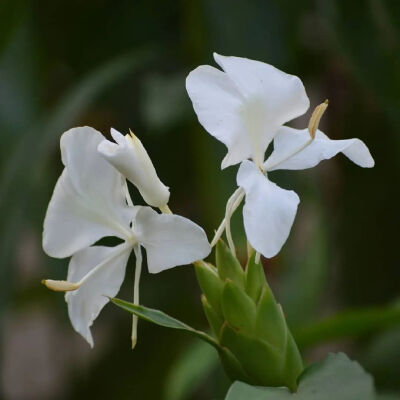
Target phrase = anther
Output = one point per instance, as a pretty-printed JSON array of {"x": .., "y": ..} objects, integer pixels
[{"x": 316, "y": 117}]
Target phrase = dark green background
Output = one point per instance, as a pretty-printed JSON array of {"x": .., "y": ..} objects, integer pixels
[{"x": 122, "y": 64}]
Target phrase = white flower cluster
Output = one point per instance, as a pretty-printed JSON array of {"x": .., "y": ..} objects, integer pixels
[
  {"x": 245, "y": 106},
  {"x": 91, "y": 201}
]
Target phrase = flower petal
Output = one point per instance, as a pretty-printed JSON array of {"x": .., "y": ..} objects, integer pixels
[
  {"x": 218, "y": 106},
  {"x": 244, "y": 107},
  {"x": 288, "y": 140},
  {"x": 85, "y": 304},
  {"x": 170, "y": 240},
  {"x": 283, "y": 95},
  {"x": 269, "y": 210},
  {"x": 131, "y": 159},
  {"x": 88, "y": 202}
]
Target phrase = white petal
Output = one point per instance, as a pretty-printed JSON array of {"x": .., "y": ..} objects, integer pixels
[
  {"x": 170, "y": 240},
  {"x": 288, "y": 140},
  {"x": 218, "y": 106},
  {"x": 272, "y": 96},
  {"x": 131, "y": 159},
  {"x": 269, "y": 210},
  {"x": 85, "y": 304},
  {"x": 88, "y": 202},
  {"x": 244, "y": 107}
]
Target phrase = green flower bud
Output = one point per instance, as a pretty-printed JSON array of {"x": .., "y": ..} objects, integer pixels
[{"x": 248, "y": 322}]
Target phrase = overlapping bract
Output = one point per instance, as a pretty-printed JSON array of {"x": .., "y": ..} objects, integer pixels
[{"x": 247, "y": 320}]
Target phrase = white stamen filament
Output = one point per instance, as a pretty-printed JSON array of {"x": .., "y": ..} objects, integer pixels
[
  {"x": 231, "y": 206},
  {"x": 138, "y": 270},
  {"x": 66, "y": 286},
  {"x": 128, "y": 195},
  {"x": 301, "y": 148}
]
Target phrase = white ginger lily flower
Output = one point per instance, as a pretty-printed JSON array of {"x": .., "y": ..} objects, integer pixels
[
  {"x": 131, "y": 159},
  {"x": 88, "y": 204},
  {"x": 245, "y": 106}
]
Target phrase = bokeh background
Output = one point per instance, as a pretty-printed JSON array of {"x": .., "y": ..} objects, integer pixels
[{"x": 123, "y": 64}]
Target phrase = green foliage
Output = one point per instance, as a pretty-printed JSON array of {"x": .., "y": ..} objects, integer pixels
[
  {"x": 189, "y": 370},
  {"x": 159, "y": 318},
  {"x": 335, "y": 378},
  {"x": 351, "y": 323}
]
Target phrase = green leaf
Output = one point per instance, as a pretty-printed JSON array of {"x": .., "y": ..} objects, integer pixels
[
  {"x": 238, "y": 308},
  {"x": 229, "y": 361},
  {"x": 159, "y": 318},
  {"x": 353, "y": 323},
  {"x": 227, "y": 264},
  {"x": 255, "y": 278},
  {"x": 335, "y": 378},
  {"x": 189, "y": 371},
  {"x": 213, "y": 318},
  {"x": 210, "y": 284}
]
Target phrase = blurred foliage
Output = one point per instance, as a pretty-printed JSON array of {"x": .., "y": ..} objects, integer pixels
[{"x": 122, "y": 64}]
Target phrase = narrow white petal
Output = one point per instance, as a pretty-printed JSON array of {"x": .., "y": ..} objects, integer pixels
[
  {"x": 85, "y": 304},
  {"x": 269, "y": 210},
  {"x": 170, "y": 240},
  {"x": 131, "y": 159},
  {"x": 288, "y": 140},
  {"x": 88, "y": 201},
  {"x": 219, "y": 107}
]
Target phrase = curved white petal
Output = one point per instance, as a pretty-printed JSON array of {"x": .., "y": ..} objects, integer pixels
[
  {"x": 88, "y": 201},
  {"x": 269, "y": 210},
  {"x": 130, "y": 158},
  {"x": 170, "y": 240},
  {"x": 85, "y": 304},
  {"x": 272, "y": 96},
  {"x": 288, "y": 140},
  {"x": 244, "y": 106},
  {"x": 218, "y": 106}
]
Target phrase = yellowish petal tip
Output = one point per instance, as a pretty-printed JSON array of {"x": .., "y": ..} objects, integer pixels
[
  {"x": 132, "y": 134},
  {"x": 60, "y": 286}
]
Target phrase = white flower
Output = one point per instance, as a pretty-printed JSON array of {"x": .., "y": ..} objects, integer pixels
[
  {"x": 88, "y": 204},
  {"x": 245, "y": 107},
  {"x": 131, "y": 159}
]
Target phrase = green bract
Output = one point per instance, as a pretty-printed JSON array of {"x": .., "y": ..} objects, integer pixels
[{"x": 247, "y": 320}]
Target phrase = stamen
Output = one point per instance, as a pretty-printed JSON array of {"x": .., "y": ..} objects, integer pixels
[
  {"x": 138, "y": 270},
  {"x": 316, "y": 117},
  {"x": 312, "y": 129},
  {"x": 231, "y": 206},
  {"x": 60, "y": 286}
]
